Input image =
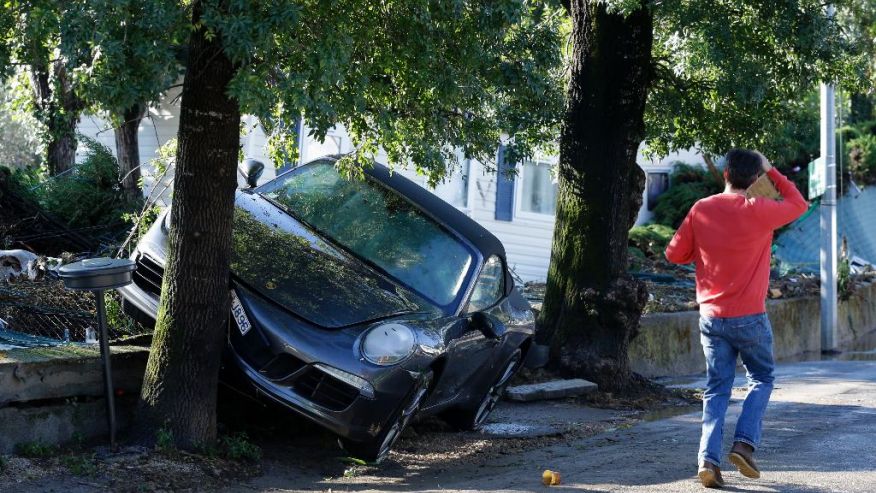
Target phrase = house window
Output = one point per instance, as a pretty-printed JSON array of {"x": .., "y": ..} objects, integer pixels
[
  {"x": 539, "y": 191},
  {"x": 658, "y": 183}
]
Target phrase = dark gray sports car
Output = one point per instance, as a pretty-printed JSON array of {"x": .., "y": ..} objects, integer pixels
[{"x": 360, "y": 303}]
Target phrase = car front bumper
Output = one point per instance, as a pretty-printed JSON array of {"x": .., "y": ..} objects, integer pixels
[{"x": 359, "y": 418}]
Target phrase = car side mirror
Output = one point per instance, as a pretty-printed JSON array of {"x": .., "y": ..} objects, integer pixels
[
  {"x": 489, "y": 326},
  {"x": 252, "y": 170}
]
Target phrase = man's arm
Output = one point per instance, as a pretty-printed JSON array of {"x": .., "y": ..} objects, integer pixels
[
  {"x": 779, "y": 213},
  {"x": 681, "y": 248}
]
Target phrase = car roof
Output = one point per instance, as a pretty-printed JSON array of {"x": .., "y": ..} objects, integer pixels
[{"x": 451, "y": 217}]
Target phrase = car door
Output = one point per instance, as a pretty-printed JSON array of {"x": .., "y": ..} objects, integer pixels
[{"x": 471, "y": 351}]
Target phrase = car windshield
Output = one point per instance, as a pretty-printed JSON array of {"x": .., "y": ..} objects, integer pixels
[{"x": 378, "y": 225}]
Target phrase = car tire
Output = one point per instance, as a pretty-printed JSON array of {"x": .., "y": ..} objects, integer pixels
[
  {"x": 378, "y": 448},
  {"x": 473, "y": 417}
]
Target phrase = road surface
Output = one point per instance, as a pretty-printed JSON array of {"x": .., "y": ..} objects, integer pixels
[{"x": 819, "y": 436}]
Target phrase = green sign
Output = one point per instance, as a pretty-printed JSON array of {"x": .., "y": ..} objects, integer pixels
[{"x": 817, "y": 178}]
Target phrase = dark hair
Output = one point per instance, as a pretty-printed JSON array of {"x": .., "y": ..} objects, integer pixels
[{"x": 743, "y": 166}]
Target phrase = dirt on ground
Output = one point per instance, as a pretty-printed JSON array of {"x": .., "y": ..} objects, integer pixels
[
  {"x": 131, "y": 469},
  {"x": 297, "y": 452}
]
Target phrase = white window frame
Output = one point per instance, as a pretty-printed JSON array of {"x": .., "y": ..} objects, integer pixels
[
  {"x": 518, "y": 190},
  {"x": 658, "y": 168}
]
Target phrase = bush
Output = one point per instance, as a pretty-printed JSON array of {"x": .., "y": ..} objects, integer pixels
[
  {"x": 36, "y": 450},
  {"x": 651, "y": 239},
  {"x": 88, "y": 195},
  {"x": 687, "y": 185},
  {"x": 862, "y": 158},
  {"x": 237, "y": 447}
]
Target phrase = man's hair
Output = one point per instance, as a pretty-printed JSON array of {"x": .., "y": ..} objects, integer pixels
[{"x": 743, "y": 166}]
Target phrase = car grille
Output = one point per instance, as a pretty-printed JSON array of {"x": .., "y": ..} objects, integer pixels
[
  {"x": 148, "y": 275},
  {"x": 325, "y": 390},
  {"x": 282, "y": 368},
  {"x": 308, "y": 382}
]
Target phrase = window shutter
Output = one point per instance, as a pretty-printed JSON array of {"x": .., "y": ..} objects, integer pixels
[{"x": 504, "y": 188}]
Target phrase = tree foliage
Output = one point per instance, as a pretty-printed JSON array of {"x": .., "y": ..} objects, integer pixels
[
  {"x": 122, "y": 52},
  {"x": 417, "y": 78},
  {"x": 730, "y": 72}
]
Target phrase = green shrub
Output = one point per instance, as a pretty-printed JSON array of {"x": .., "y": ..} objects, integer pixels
[
  {"x": 80, "y": 464},
  {"x": 88, "y": 195},
  {"x": 687, "y": 184},
  {"x": 862, "y": 158},
  {"x": 36, "y": 450},
  {"x": 164, "y": 441},
  {"x": 238, "y": 447},
  {"x": 651, "y": 239}
]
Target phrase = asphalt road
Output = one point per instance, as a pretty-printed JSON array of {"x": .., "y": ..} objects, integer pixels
[{"x": 819, "y": 436}]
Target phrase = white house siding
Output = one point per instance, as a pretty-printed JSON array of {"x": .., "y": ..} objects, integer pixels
[
  {"x": 527, "y": 237},
  {"x": 157, "y": 127}
]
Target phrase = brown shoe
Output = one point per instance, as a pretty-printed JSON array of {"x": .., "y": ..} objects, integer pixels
[
  {"x": 710, "y": 475},
  {"x": 741, "y": 457}
]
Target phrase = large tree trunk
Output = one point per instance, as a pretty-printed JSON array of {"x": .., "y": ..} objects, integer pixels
[
  {"x": 180, "y": 385},
  {"x": 128, "y": 151},
  {"x": 58, "y": 108},
  {"x": 592, "y": 307}
]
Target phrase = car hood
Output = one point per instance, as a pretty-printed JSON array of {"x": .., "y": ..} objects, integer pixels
[{"x": 284, "y": 261}]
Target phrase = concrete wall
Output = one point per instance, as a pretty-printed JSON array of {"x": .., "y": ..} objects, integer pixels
[
  {"x": 52, "y": 395},
  {"x": 669, "y": 343}
]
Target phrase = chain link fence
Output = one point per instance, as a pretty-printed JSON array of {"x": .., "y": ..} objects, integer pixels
[{"x": 44, "y": 313}]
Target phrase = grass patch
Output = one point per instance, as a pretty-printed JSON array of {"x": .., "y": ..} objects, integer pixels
[
  {"x": 80, "y": 464},
  {"x": 238, "y": 447},
  {"x": 36, "y": 450},
  {"x": 164, "y": 441}
]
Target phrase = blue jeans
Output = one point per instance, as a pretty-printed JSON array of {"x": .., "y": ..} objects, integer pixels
[{"x": 750, "y": 337}]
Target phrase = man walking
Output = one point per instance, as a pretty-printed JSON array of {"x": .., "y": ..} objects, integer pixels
[{"x": 729, "y": 238}]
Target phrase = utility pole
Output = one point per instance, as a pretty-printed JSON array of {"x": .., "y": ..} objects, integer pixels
[{"x": 828, "y": 218}]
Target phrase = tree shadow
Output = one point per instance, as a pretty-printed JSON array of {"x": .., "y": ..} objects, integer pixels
[{"x": 799, "y": 438}]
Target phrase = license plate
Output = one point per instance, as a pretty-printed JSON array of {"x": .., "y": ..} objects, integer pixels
[{"x": 239, "y": 315}]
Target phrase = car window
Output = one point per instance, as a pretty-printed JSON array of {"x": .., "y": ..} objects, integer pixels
[
  {"x": 379, "y": 225},
  {"x": 490, "y": 287}
]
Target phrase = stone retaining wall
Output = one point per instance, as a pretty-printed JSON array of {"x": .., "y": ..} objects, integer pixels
[
  {"x": 669, "y": 343},
  {"x": 53, "y": 395}
]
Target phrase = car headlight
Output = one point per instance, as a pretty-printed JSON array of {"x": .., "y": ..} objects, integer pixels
[{"x": 388, "y": 344}]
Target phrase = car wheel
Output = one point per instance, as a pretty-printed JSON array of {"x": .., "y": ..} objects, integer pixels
[
  {"x": 376, "y": 449},
  {"x": 473, "y": 417}
]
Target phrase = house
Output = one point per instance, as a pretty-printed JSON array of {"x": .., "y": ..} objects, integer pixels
[{"x": 519, "y": 211}]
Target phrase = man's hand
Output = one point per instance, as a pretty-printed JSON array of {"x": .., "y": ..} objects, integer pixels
[{"x": 764, "y": 162}]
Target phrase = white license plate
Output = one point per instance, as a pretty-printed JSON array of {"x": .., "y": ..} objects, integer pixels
[{"x": 239, "y": 315}]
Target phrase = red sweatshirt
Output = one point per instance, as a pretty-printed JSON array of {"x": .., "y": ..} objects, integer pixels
[{"x": 729, "y": 238}]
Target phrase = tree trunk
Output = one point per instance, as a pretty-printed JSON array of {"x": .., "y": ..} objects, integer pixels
[
  {"x": 128, "y": 151},
  {"x": 180, "y": 385},
  {"x": 710, "y": 164},
  {"x": 58, "y": 108},
  {"x": 592, "y": 307}
]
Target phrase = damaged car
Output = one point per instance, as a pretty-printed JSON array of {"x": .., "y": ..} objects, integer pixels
[{"x": 360, "y": 303}]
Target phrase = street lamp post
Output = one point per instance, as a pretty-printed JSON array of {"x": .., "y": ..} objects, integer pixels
[
  {"x": 97, "y": 275},
  {"x": 828, "y": 220}
]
